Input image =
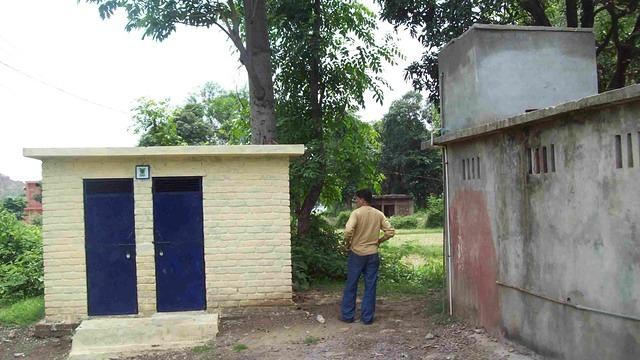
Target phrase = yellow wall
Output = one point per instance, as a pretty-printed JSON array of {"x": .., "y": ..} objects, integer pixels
[{"x": 246, "y": 228}]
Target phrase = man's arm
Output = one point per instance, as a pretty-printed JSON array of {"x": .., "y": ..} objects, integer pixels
[
  {"x": 388, "y": 231},
  {"x": 349, "y": 229}
]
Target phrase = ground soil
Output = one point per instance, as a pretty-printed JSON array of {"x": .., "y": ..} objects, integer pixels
[{"x": 405, "y": 328}]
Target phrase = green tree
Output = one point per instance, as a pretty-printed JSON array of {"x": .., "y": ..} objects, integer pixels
[
  {"x": 15, "y": 205},
  {"x": 154, "y": 122},
  {"x": 191, "y": 125},
  {"x": 616, "y": 26},
  {"x": 210, "y": 116},
  {"x": 326, "y": 57},
  {"x": 407, "y": 168},
  {"x": 227, "y": 112},
  {"x": 248, "y": 30}
]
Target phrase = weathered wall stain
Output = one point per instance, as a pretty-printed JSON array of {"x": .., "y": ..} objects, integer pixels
[{"x": 474, "y": 260}]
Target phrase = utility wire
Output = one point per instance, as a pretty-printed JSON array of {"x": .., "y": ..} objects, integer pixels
[{"x": 61, "y": 89}]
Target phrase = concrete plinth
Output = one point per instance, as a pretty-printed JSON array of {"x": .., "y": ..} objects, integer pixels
[{"x": 110, "y": 338}]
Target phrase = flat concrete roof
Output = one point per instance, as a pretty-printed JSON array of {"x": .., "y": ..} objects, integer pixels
[
  {"x": 515, "y": 28},
  {"x": 167, "y": 151},
  {"x": 606, "y": 99}
]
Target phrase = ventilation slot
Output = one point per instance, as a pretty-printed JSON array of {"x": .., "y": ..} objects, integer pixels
[
  {"x": 473, "y": 168},
  {"x": 464, "y": 170},
  {"x": 553, "y": 158},
  {"x": 618, "y": 151},
  {"x": 177, "y": 184},
  {"x": 629, "y": 151},
  {"x": 478, "y": 164},
  {"x": 108, "y": 186},
  {"x": 529, "y": 161},
  {"x": 545, "y": 164},
  {"x": 537, "y": 160}
]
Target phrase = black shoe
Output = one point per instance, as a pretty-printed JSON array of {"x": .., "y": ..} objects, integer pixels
[
  {"x": 348, "y": 321},
  {"x": 368, "y": 323}
]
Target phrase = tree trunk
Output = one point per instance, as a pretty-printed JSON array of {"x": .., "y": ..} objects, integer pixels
[
  {"x": 315, "y": 101},
  {"x": 304, "y": 213},
  {"x": 588, "y": 9},
  {"x": 258, "y": 65},
  {"x": 536, "y": 10},
  {"x": 623, "y": 59},
  {"x": 572, "y": 13}
]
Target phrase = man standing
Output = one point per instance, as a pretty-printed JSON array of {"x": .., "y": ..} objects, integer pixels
[{"x": 362, "y": 237}]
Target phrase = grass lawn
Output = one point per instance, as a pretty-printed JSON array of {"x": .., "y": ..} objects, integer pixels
[
  {"x": 23, "y": 312},
  {"x": 427, "y": 237},
  {"x": 420, "y": 250}
]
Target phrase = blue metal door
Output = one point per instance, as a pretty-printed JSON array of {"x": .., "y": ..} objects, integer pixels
[
  {"x": 179, "y": 243},
  {"x": 110, "y": 247}
]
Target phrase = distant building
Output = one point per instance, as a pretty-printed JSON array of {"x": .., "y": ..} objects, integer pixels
[
  {"x": 394, "y": 204},
  {"x": 33, "y": 194}
]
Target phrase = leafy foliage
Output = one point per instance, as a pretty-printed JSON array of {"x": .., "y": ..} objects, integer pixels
[
  {"x": 248, "y": 32},
  {"x": 435, "y": 211},
  {"x": 317, "y": 255},
  {"x": 342, "y": 218},
  {"x": 434, "y": 23},
  {"x": 211, "y": 116},
  {"x": 21, "y": 267},
  {"x": 405, "y": 222},
  {"x": 337, "y": 59},
  {"x": 15, "y": 205},
  {"x": 227, "y": 112},
  {"x": 407, "y": 168}
]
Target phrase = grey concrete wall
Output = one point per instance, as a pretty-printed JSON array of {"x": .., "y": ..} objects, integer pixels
[
  {"x": 571, "y": 235},
  {"x": 492, "y": 72}
]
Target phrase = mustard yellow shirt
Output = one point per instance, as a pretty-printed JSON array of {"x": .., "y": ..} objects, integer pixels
[{"x": 362, "y": 233}]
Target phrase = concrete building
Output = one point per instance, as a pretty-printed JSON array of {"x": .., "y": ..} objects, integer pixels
[
  {"x": 154, "y": 233},
  {"x": 543, "y": 207},
  {"x": 393, "y": 204}
]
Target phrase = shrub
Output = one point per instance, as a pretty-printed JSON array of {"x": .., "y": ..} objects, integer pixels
[
  {"x": 21, "y": 271},
  {"x": 319, "y": 255},
  {"x": 405, "y": 222},
  {"x": 435, "y": 211},
  {"x": 342, "y": 218}
]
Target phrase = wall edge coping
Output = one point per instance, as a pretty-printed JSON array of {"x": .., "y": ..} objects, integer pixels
[
  {"x": 167, "y": 151},
  {"x": 607, "y": 99}
]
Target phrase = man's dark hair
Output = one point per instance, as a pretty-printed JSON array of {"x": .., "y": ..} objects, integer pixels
[{"x": 365, "y": 194}]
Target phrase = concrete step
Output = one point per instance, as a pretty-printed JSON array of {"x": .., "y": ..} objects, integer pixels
[{"x": 109, "y": 338}]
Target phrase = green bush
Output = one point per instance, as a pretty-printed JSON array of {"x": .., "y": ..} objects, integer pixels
[
  {"x": 435, "y": 211},
  {"x": 318, "y": 256},
  {"x": 342, "y": 218},
  {"x": 21, "y": 271},
  {"x": 405, "y": 222}
]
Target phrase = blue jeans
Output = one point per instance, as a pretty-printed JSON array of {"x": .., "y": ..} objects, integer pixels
[{"x": 368, "y": 266}]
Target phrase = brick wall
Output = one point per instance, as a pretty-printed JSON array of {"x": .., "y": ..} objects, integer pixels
[{"x": 246, "y": 229}]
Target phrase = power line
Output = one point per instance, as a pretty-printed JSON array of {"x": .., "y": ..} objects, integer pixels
[{"x": 82, "y": 98}]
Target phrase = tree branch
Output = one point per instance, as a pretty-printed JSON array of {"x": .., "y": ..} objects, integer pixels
[
  {"x": 588, "y": 13},
  {"x": 536, "y": 10},
  {"x": 572, "y": 13}
]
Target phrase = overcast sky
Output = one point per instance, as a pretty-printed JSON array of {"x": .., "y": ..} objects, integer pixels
[{"x": 68, "y": 79}]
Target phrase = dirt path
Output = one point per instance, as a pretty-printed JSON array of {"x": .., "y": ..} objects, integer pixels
[{"x": 403, "y": 330}]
